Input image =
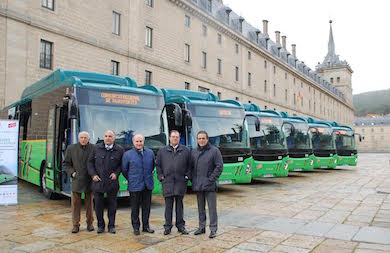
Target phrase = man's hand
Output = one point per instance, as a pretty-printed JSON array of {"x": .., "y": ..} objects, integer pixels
[
  {"x": 96, "y": 178},
  {"x": 113, "y": 176},
  {"x": 74, "y": 174}
]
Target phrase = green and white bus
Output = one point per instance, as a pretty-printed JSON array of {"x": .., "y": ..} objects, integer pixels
[
  {"x": 268, "y": 146},
  {"x": 345, "y": 145},
  {"x": 55, "y": 109},
  {"x": 225, "y": 123}
]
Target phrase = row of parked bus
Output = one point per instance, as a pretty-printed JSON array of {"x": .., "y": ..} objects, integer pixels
[{"x": 254, "y": 143}]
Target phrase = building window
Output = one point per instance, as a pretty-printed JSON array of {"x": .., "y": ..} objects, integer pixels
[
  {"x": 219, "y": 67},
  {"x": 114, "y": 68},
  {"x": 274, "y": 90},
  {"x": 187, "y": 21},
  {"x": 372, "y": 130},
  {"x": 338, "y": 79},
  {"x": 285, "y": 95},
  {"x": 186, "y": 85},
  {"x": 203, "y": 89},
  {"x": 302, "y": 101},
  {"x": 331, "y": 79},
  {"x": 149, "y": 37},
  {"x": 363, "y": 130},
  {"x": 295, "y": 99},
  {"x": 265, "y": 64},
  {"x": 237, "y": 74},
  {"x": 265, "y": 107},
  {"x": 204, "y": 60},
  {"x": 46, "y": 56},
  {"x": 381, "y": 130},
  {"x": 116, "y": 23},
  {"x": 314, "y": 107},
  {"x": 49, "y": 4},
  {"x": 209, "y": 6},
  {"x": 219, "y": 38},
  {"x": 294, "y": 80},
  {"x": 149, "y": 3},
  {"x": 236, "y": 48},
  {"x": 187, "y": 52},
  {"x": 265, "y": 86},
  {"x": 148, "y": 77},
  {"x": 204, "y": 30},
  {"x": 309, "y": 104},
  {"x": 302, "y": 85},
  {"x": 285, "y": 75},
  {"x": 219, "y": 94},
  {"x": 309, "y": 89},
  {"x": 249, "y": 55},
  {"x": 237, "y": 99},
  {"x": 249, "y": 79}
]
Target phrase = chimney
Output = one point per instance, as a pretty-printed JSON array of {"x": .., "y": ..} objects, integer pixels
[
  {"x": 294, "y": 50},
  {"x": 277, "y": 37},
  {"x": 265, "y": 27},
  {"x": 284, "y": 42}
]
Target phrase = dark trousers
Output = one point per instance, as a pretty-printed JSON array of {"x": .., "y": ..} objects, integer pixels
[
  {"x": 140, "y": 199},
  {"x": 212, "y": 205},
  {"x": 169, "y": 212},
  {"x": 76, "y": 208},
  {"x": 99, "y": 208}
]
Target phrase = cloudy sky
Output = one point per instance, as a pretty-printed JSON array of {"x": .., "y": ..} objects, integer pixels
[{"x": 359, "y": 29}]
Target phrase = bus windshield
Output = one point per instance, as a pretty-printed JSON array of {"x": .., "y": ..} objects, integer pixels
[
  {"x": 345, "y": 140},
  {"x": 323, "y": 138},
  {"x": 298, "y": 138},
  {"x": 270, "y": 135},
  {"x": 124, "y": 119},
  {"x": 225, "y": 126}
]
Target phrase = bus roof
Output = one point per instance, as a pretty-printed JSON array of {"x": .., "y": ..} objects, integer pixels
[
  {"x": 255, "y": 109},
  {"x": 197, "y": 98},
  {"x": 62, "y": 78},
  {"x": 318, "y": 123},
  {"x": 336, "y": 125},
  {"x": 296, "y": 119}
]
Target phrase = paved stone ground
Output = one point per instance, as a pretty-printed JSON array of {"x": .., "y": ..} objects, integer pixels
[{"x": 343, "y": 210}]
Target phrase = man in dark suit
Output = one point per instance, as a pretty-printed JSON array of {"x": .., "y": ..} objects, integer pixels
[
  {"x": 137, "y": 168},
  {"x": 173, "y": 171},
  {"x": 104, "y": 167}
]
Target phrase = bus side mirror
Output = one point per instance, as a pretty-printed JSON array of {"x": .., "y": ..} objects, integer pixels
[
  {"x": 178, "y": 115},
  {"x": 188, "y": 119},
  {"x": 292, "y": 128},
  {"x": 73, "y": 108},
  {"x": 257, "y": 121}
]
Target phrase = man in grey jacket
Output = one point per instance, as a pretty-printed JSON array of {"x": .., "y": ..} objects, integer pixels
[{"x": 207, "y": 165}]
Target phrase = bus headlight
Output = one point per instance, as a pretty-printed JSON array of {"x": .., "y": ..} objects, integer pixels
[
  {"x": 248, "y": 168},
  {"x": 285, "y": 166}
]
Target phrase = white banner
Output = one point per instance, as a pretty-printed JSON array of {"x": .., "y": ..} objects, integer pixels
[{"x": 9, "y": 132}]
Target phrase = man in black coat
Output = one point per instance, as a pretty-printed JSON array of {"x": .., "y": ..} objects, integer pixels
[
  {"x": 173, "y": 170},
  {"x": 207, "y": 165},
  {"x": 75, "y": 165},
  {"x": 104, "y": 166}
]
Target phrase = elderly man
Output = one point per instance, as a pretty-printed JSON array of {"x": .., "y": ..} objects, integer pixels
[
  {"x": 173, "y": 170},
  {"x": 75, "y": 164},
  {"x": 137, "y": 168},
  {"x": 104, "y": 166},
  {"x": 207, "y": 166}
]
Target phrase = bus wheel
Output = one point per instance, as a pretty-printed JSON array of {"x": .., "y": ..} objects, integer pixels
[{"x": 48, "y": 193}]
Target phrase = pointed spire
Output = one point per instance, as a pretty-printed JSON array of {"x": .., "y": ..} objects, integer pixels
[{"x": 331, "y": 47}]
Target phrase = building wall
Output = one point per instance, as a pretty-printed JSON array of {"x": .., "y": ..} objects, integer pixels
[
  {"x": 83, "y": 40},
  {"x": 376, "y": 138}
]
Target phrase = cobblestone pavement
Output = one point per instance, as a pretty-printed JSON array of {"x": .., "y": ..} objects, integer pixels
[{"x": 342, "y": 210}]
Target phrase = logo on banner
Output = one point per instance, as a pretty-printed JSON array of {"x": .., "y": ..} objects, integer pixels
[{"x": 12, "y": 124}]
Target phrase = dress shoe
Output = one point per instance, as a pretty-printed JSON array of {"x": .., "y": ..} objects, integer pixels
[
  {"x": 136, "y": 232},
  {"x": 100, "y": 230},
  {"x": 167, "y": 231},
  {"x": 212, "y": 234},
  {"x": 183, "y": 231},
  {"x": 200, "y": 231},
  {"x": 112, "y": 230},
  {"x": 90, "y": 227},
  {"x": 148, "y": 230},
  {"x": 75, "y": 229}
]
